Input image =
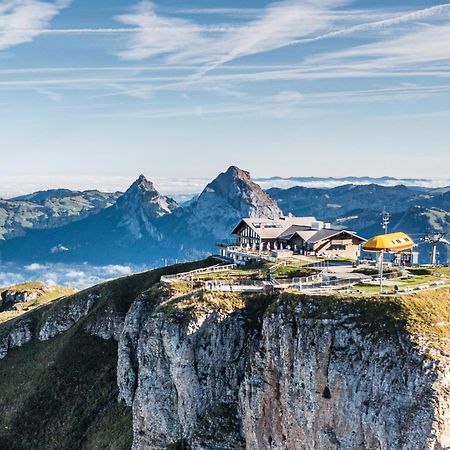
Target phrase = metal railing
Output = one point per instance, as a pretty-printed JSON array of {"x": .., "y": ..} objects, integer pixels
[
  {"x": 275, "y": 266},
  {"x": 169, "y": 279}
]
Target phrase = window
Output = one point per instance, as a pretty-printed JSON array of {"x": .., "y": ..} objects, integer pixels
[{"x": 338, "y": 247}]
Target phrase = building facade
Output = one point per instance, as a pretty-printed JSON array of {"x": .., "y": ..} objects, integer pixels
[{"x": 259, "y": 237}]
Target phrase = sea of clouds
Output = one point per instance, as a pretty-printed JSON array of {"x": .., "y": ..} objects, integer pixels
[
  {"x": 79, "y": 276},
  {"x": 181, "y": 189}
]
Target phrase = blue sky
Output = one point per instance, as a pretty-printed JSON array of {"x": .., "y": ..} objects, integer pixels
[{"x": 103, "y": 90}]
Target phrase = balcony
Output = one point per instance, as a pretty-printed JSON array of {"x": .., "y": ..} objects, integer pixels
[{"x": 227, "y": 243}]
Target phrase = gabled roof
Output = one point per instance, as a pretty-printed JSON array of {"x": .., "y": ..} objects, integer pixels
[
  {"x": 327, "y": 233},
  {"x": 313, "y": 236},
  {"x": 300, "y": 230},
  {"x": 267, "y": 228}
]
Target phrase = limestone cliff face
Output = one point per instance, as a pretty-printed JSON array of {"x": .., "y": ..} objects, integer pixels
[
  {"x": 68, "y": 315},
  {"x": 328, "y": 384},
  {"x": 294, "y": 381}
]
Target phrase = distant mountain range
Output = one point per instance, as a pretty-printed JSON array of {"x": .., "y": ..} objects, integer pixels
[
  {"x": 359, "y": 207},
  {"x": 50, "y": 209},
  {"x": 329, "y": 182},
  {"x": 145, "y": 227}
]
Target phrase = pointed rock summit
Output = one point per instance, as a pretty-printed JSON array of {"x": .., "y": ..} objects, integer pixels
[
  {"x": 143, "y": 196},
  {"x": 228, "y": 198},
  {"x": 237, "y": 188},
  {"x": 141, "y": 206}
]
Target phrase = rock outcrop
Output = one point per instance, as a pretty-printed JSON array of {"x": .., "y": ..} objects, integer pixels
[
  {"x": 302, "y": 380},
  {"x": 57, "y": 320},
  {"x": 10, "y": 297},
  {"x": 328, "y": 384},
  {"x": 66, "y": 316},
  {"x": 16, "y": 336}
]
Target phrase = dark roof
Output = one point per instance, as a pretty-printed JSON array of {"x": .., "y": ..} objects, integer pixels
[
  {"x": 268, "y": 228},
  {"x": 292, "y": 230},
  {"x": 285, "y": 228},
  {"x": 326, "y": 233}
]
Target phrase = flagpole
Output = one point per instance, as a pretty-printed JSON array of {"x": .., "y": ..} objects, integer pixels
[{"x": 381, "y": 271}]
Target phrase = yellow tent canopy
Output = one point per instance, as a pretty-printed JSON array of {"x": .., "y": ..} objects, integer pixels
[{"x": 393, "y": 242}]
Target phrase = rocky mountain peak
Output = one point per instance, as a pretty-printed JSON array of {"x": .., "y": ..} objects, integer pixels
[
  {"x": 233, "y": 176},
  {"x": 141, "y": 185},
  {"x": 229, "y": 197},
  {"x": 237, "y": 188},
  {"x": 143, "y": 193},
  {"x": 235, "y": 172},
  {"x": 141, "y": 205}
]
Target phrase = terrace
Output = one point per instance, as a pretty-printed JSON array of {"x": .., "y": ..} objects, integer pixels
[{"x": 310, "y": 277}]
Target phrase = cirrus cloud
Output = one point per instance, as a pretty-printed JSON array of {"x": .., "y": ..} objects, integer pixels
[{"x": 23, "y": 20}]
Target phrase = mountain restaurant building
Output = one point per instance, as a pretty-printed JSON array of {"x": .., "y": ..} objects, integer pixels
[{"x": 294, "y": 235}]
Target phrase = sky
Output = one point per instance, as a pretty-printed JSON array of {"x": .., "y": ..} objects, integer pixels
[{"x": 97, "y": 92}]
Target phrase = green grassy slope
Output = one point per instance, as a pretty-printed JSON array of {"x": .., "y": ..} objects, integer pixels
[
  {"x": 62, "y": 393},
  {"x": 46, "y": 294}
]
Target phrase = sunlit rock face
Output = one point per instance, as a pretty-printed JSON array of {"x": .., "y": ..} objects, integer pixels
[
  {"x": 282, "y": 381},
  {"x": 329, "y": 384},
  {"x": 228, "y": 198},
  {"x": 140, "y": 206}
]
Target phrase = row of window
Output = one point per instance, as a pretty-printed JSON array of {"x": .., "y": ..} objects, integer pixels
[{"x": 399, "y": 241}]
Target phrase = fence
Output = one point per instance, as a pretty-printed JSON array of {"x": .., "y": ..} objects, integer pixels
[
  {"x": 275, "y": 266},
  {"x": 237, "y": 285},
  {"x": 317, "y": 281},
  {"x": 298, "y": 280},
  {"x": 169, "y": 279}
]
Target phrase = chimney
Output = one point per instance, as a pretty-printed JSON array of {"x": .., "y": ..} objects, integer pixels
[{"x": 317, "y": 225}]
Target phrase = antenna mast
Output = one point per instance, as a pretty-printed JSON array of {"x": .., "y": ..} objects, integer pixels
[
  {"x": 385, "y": 221},
  {"x": 434, "y": 239}
]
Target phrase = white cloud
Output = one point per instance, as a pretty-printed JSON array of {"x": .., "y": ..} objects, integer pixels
[
  {"x": 156, "y": 34},
  {"x": 280, "y": 24},
  {"x": 425, "y": 44},
  {"x": 117, "y": 270},
  {"x": 23, "y": 20},
  {"x": 181, "y": 40},
  {"x": 51, "y": 282},
  {"x": 74, "y": 275},
  {"x": 384, "y": 23},
  {"x": 35, "y": 267},
  {"x": 293, "y": 97}
]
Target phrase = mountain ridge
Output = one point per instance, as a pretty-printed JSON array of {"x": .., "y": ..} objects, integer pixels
[
  {"x": 50, "y": 209},
  {"x": 146, "y": 227}
]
